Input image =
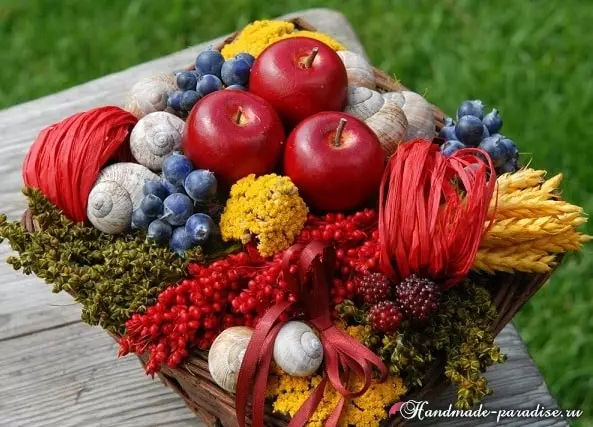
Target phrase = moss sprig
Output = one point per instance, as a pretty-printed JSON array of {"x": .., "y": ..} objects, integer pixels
[
  {"x": 112, "y": 276},
  {"x": 459, "y": 331}
]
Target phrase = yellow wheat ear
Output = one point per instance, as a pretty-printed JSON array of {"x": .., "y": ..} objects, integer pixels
[{"x": 530, "y": 224}]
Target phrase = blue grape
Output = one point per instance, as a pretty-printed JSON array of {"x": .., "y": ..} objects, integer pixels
[
  {"x": 155, "y": 187},
  {"x": 493, "y": 121},
  {"x": 235, "y": 72},
  {"x": 448, "y": 132},
  {"x": 485, "y": 132},
  {"x": 177, "y": 208},
  {"x": 139, "y": 220},
  {"x": 209, "y": 62},
  {"x": 174, "y": 100},
  {"x": 200, "y": 185},
  {"x": 187, "y": 80},
  {"x": 471, "y": 108},
  {"x": 495, "y": 150},
  {"x": 451, "y": 146},
  {"x": 171, "y": 189},
  {"x": 208, "y": 84},
  {"x": 189, "y": 99},
  {"x": 511, "y": 149},
  {"x": 199, "y": 226},
  {"x": 180, "y": 241},
  {"x": 176, "y": 167},
  {"x": 159, "y": 231},
  {"x": 151, "y": 205},
  {"x": 250, "y": 59},
  {"x": 469, "y": 130},
  {"x": 236, "y": 87},
  {"x": 510, "y": 166},
  {"x": 448, "y": 122}
]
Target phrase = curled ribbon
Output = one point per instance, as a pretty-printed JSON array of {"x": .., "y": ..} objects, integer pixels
[{"x": 343, "y": 354}]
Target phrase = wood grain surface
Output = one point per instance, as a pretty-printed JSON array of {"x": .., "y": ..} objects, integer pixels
[{"x": 57, "y": 371}]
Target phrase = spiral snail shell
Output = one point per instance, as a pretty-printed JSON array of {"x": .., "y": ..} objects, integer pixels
[
  {"x": 226, "y": 356},
  {"x": 419, "y": 113},
  {"x": 384, "y": 117},
  {"x": 115, "y": 195},
  {"x": 150, "y": 94},
  {"x": 297, "y": 350},
  {"x": 359, "y": 71},
  {"x": 154, "y": 137}
]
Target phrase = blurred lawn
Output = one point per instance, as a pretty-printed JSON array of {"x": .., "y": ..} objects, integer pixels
[{"x": 531, "y": 59}]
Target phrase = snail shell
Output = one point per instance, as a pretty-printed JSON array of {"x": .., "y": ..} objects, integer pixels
[
  {"x": 419, "y": 113},
  {"x": 384, "y": 117},
  {"x": 150, "y": 94},
  {"x": 115, "y": 195},
  {"x": 297, "y": 350},
  {"x": 226, "y": 356},
  {"x": 154, "y": 137},
  {"x": 359, "y": 71}
]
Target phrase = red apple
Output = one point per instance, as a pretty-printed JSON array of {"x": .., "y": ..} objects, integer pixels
[
  {"x": 335, "y": 160},
  {"x": 233, "y": 133},
  {"x": 300, "y": 76}
]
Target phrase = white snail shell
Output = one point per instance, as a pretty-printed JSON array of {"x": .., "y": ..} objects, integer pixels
[
  {"x": 384, "y": 117},
  {"x": 419, "y": 113},
  {"x": 154, "y": 137},
  {"x": 150, "y": 94},
  {"x": 359, "y": 71},
  {"x": 297, "y": 350},
  {"x": 115, "y": 195},
  {"x": 226, "y": 356}
]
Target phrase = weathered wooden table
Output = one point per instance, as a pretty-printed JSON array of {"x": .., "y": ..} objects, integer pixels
[{"x": 57, "y": 371}]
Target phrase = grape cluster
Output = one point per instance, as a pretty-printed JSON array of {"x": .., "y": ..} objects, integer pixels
[
  {"x": 170, "y": 209},
  {"x": 212, "y": 73},
  {"x": 474, "y": 129}
]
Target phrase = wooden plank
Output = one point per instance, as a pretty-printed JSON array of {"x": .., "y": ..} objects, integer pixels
[
  {"x": 70, "y": 376},
  {"x": 27, "y": 304}
]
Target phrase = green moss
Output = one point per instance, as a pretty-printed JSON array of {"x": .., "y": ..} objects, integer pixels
[
  {"x": 459, "y": 331},
  {"x": 112, "y": 276}
]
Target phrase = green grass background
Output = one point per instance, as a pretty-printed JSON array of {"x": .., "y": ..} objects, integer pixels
[{"x": 531, "y": 59}]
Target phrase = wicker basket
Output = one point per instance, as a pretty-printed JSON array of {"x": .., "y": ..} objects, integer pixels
[{"x": 216, "y": 407}]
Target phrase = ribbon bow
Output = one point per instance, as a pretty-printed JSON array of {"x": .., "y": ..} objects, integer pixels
[{"x": 342, "y": 354}]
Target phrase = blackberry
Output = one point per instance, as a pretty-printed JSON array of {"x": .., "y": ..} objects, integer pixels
[
  {"x": 373, "y": 287},
  {"x": 385, "y": 317},
  {"x": 417, "y": 297}
]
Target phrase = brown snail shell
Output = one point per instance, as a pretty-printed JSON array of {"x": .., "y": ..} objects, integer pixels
[
  {"x": 226, "y": 356},
  {"x": 384, "y": 117},
  {"x": 419, "y": 113},
  {"x": 154, "y": 137},
  {"x": 150, "y": 94},
  {"x": 360, "y": 72},
  {"x": 115, "y": 195}
]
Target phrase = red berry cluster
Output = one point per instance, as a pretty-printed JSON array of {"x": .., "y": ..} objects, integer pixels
[
  {"x": 385, "y": 317},
  {"x": 238, "y": 289}
]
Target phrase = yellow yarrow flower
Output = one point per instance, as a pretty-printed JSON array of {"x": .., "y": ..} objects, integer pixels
[
  {"x": 255, "y": 37},
  {"x": 268, "y": 207}
]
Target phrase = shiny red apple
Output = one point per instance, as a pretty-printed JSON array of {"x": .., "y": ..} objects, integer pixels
[
  {"x": 233, "y": 133},
  {"x": 335, "y": 160},
  {"x": 300, "y": 76}
]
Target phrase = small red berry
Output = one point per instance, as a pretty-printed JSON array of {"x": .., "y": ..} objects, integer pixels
[{"x": 385, "y": 317}]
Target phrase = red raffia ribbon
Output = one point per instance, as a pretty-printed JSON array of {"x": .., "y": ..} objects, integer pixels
[
  {"x": 432, "y": 210},
  {"x": 342, "y": 355},
  {"x": 65, "y": 159}
]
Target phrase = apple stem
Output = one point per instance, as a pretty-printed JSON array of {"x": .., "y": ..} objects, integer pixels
[
  {"x": 239, "y": 116},
  {"x": 311, "y": 57},
  {"x": 339, "y": 131}
]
